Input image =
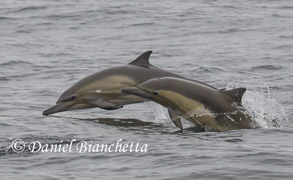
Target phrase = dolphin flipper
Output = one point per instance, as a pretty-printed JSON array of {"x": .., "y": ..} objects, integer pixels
[{"x": 175, "y": 118}]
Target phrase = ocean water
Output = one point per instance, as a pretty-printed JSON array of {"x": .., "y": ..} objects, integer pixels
[{"x": 46, "y": 46}]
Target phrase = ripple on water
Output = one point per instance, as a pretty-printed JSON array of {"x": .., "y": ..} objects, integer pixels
[
  {"x": 266, "y": 67},
  {"x": 29, "y": 9},
  {"x": 206, "y": 69},
  {"x": 3, "y": 78},
  {"x": 16, "y": 63}
]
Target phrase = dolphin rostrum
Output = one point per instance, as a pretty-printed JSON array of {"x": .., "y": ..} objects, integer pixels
[
  {"x": 103, "y": 89},
  {"x": 204, "y": 106}
]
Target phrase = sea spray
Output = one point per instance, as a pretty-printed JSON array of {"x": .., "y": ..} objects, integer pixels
[
  {"x": 259, "y": 104},
  {"x": 162, "y": 116},
  {"x": 160, "y": 112}
]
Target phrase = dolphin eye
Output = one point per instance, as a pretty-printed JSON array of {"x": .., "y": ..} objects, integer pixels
[
  {"x": 155, "y": 93},
  {"x": 72, "y": 98}
]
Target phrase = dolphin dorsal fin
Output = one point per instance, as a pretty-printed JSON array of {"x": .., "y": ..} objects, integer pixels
[
  {"x": 142, "y": 60},
  {"x": 235, "y": 94}
]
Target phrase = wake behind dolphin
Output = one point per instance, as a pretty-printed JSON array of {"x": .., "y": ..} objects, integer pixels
[{"x": 204, "y": 106}]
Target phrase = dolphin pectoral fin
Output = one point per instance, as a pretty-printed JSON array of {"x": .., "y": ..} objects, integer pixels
[
  {"x": 178, "y": 123},
  {"x": 175, "y": 118},
  {"x": 104, "y": 104}
]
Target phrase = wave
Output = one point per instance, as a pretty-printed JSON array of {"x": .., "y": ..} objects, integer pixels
[
  {"x": 118, "y": 11},
  {"x": 281, "y": 16},
  {"x": 62, "y": 16},
  {"x": 30, "y": 8},
  {"x": 267, "y": 67},
  {"x": 286, "y": 7},
  {"x": 5, "y": 18},
  {"x": 3, "y": 78},
  {"x": 11, "y": 63},
  {"x": 286, "y": 46},
  {"x": 286, "y": 37},
  {"x": 208, "y": 69},
  {"x": 143, "y": 24}
]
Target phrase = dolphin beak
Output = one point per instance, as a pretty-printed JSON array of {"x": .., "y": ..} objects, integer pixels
[
  {"x": 136, "y": 91},
  {"x": 59, "y": 107}
]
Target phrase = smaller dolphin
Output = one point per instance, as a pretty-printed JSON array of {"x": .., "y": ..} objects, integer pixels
[{"x": 204, "y": 106}]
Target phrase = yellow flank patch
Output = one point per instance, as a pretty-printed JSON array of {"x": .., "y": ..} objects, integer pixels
[
  {"x": 189, "y": 106},
  {"x": 191, "y": 110}
]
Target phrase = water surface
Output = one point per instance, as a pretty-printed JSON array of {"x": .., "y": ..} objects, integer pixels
[{"x": 46, "y": 46}]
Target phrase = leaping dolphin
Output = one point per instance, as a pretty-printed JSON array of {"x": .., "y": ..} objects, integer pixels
[
  {"x": 103, "y": 89},
  {"x": 204, "y": 106}
]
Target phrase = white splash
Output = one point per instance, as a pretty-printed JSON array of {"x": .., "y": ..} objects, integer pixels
[
  {"x": 267, "y": 112},
  {"x": 160, "y": 112},
  {"x": 162, "y": 116}
]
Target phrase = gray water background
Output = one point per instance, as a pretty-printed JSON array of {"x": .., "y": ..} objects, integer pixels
[{"x": 46, "y": 46}]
